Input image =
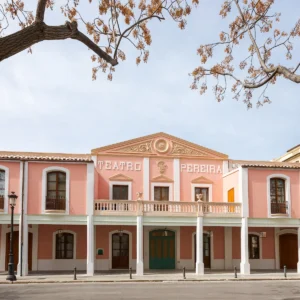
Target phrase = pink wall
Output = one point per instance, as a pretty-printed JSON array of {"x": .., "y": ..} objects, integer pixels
[
  {"x": 268, "y": 242},
  {"x": 105, "y": 174},
  {"x": 236, "y": 243},
  {"x": 257, "y": 179},
  {"x": 102, "y": 239},
  {"x": 231, "y": 181},
  {"x": 45, "y": 239},
  {"x": 186, "y": 243},
  {"x": 77, "y": 187},
  {"x": 187, "y": 177},
  {"x": 14, "y": 180}
]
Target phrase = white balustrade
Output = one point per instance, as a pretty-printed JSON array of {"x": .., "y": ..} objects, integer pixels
[{"x": 166, "y": 208}]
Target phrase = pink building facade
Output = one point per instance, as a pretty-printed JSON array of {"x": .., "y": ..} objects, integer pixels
[{"x": 155, "y": 202}]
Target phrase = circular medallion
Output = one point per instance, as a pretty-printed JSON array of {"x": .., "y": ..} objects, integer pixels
[{"x": 161, "y": 146}]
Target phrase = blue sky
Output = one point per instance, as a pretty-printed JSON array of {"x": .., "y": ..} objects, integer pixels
[{"x": 49, "y": 103}]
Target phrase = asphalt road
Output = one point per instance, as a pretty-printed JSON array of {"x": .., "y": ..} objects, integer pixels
[{"x": 288, "y": 290}]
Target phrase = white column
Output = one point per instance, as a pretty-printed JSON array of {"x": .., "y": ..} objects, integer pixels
[
  {"x": 23, "y": 224},
  {"x": 176, "y": 171},
  {"x": 90, "y": 220},
  {"x": 245, "y": 266},
  {"x": 139, "y": 246},
  {"x": 146, "y": 170},
  {"x": 199, "y": 247},
  {"x": 228, "y": 248},
  {"x": 298, "y": 264}
]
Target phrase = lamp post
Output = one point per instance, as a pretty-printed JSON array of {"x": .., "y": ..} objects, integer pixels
[{"x": 11, "y": 270}]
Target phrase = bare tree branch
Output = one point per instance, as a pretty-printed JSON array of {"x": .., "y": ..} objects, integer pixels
[{"x": 40, "y": 11}]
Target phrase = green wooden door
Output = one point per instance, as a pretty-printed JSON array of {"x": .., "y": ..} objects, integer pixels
[{"x": 162, "y": 249}]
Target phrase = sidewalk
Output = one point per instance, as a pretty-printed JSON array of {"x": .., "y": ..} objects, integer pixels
[{"x": 158, "y": 276}]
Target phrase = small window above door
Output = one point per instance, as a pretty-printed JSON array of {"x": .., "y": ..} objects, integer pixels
[
  {"x": 161, "y": 193},
  {"x": 120, "y": 192},
  {"x": 203, "y": 192}
]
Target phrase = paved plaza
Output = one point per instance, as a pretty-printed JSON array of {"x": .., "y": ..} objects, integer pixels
[{"x": 289, "y": 290}]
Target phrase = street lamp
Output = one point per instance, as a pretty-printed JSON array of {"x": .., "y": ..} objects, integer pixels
[{"x": 11, "y": 270}]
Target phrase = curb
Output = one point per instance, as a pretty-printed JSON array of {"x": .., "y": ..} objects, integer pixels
[{"x": 146, "y": 280}]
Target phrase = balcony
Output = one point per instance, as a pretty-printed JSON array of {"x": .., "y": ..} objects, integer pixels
[
  {"x": 279, "y": 208},
  {"x": 55, "y": 204},
  {"x": 166, "y": 208},
  {"x": 1, "y": 203}
]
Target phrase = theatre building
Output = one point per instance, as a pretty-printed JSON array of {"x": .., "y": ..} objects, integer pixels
[{"x": 154, "y": 202}]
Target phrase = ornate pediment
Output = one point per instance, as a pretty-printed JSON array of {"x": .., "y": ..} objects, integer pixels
[
  {"x": 162, "y": 178},
  {"x": 202, "y": 179},
  {"x": 120, "y": 177},
  {"x": 159, "y": 144}
]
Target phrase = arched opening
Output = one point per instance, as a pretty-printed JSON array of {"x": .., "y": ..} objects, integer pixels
[
  {"x": 162, "y": 249},
  {"x": 288, "y": 250},
  {"x": 16, "y": 249},
  {"x": 120, "y": 250},
  {"x": 206, "y": 250}
]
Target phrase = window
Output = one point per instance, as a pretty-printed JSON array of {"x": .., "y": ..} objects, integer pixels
[
  {"x": 120, "y": 192},
  {"x": 2, "y": 189},
  {"x": 56, "y": 191},
  {"x": 161, "y": 193},
  {"x": 203, "y": 192},
  {"x": 277, "y": 195},
  {"x": 64, "y": 246},
  {"x": 253, "y": 244}
]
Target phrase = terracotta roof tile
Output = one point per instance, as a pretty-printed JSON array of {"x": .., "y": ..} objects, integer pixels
[
  {"x": 37, "y": 156},
  {"x": 266, "y": 164}
]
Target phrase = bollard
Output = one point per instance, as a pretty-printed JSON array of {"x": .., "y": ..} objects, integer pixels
[
  {"x": 284, "y": 271},
  {"x": 235, "y": 272},
  {"x": 130, "y": 273},
  {"x": 75, "y": 275},
  {"x": 183, "y": 273}
]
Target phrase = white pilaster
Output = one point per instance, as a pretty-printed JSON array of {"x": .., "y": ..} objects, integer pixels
[
  {"x": 243, "y": 196},
  {"x": 146, "y": 176},
  {"x": 139, "y": 246},
  {"x": 23, "y": 224},
  {"x": 199, "y": 247},
  {"x": 298, "y": 264},
  {"x": 176, "y": 170},
  {"x": 90, "y": 220},
  {"x": 245, "y": 266},
  {"x": 225, "y": 167},
  {"x": 228, "y": 248}
]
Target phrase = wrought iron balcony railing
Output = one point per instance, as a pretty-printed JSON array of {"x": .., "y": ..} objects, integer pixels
[
  {"x": 55, "y": 203},
  {"x": 279, "y": 208}
]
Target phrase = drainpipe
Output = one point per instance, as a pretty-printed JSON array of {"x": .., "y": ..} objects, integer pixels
[{"x": 22, "y": 218}]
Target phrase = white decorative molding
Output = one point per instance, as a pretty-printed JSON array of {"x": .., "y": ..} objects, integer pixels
[
  {"x": 54, "y": 242},
  {"x": 243, "y": 191},
  {"x": 112, "y": 183},
  {"x": 44, "y": 186},
  {"x": 163, "y": 184},
  {"x": 6, "y": 187},
  {"x": 146, "y": 178},
  {"x": 139, "y": 246},
  {"x": 202, "y": 185},
  {"x": 279, "y": 232},
  {"x": 287, "y": 183},
  {"x": 225, "y": 167},
  {"x": 130, "y": 248},
  {"x": 176, "y": 170}
]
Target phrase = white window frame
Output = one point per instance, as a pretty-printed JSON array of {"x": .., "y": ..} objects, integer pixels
[
  {"x": 6, "y": 186},
  {"x": 202, "y": 185},
  {"x": 54, "y": 244},
  {"x": 128, "y": 183},
  {"x": 162, "y": 184},
  {"x": 287, "y": 194},
  {"x": 44, "y": 188}
]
